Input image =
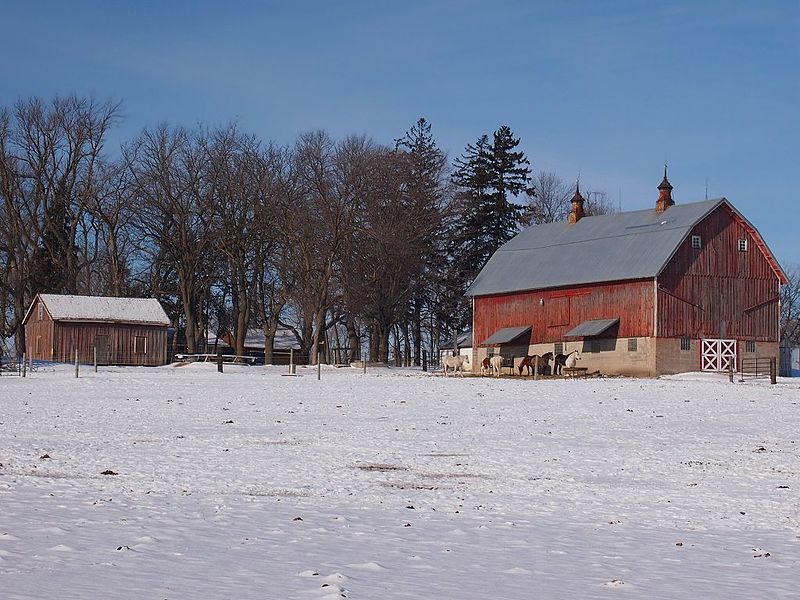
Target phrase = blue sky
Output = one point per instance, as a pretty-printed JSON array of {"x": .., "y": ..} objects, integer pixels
[{"x": 607, "y": 89}]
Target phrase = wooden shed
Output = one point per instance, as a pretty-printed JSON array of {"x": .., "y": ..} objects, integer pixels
[
  {"x": 670, "y": 289},
  {"x": 123, "y": 331}
]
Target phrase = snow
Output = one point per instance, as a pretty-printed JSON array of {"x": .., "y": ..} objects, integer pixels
[
  {"x": 103, "y": 308},
  {"x": 395, "y": 484}
]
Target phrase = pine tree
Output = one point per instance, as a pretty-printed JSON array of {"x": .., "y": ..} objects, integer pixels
[
  {"x": 426, "y": 191},
  {"x": 489, "y": 176},
  {"x": 48, "y": 270},
  {"x": 509, "y": 175}
]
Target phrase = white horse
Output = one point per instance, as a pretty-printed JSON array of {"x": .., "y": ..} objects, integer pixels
[
  {"x": 565, "y": 360},
  {"x": 572, "y": 358},
  {"x": 497, "y": 364},
  {"x": 456, "y": 363}
]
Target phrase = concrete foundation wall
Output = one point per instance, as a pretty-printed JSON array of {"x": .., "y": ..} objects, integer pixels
[{"x": 652, "y": 356}]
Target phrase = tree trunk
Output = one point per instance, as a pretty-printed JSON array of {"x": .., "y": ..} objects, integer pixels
[
  {"x": 416, "y": 332},
  {"x": 352, "y": 339},
  {"x": 269, "y": 345}
]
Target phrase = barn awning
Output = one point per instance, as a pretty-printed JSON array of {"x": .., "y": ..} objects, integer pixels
[
  {"x": 591, "y": 328},
  {"x": 506, "y": 335}
]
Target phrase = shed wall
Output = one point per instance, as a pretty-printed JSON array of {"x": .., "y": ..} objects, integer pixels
[{"x": 120, "y": 339}]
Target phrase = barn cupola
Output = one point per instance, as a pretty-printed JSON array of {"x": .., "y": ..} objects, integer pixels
[
  {"x": 664, "y": 194},
  {"x": 577, "y": 213}
]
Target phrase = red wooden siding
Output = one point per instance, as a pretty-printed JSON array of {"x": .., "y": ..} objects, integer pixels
[
  {"x": 39, "y": 333},
  {"x": 564, "y": 309},
  {"x": 120, "y": 341},
  {"x": 701, "y": 289}
]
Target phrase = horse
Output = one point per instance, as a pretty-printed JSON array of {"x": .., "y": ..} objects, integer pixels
[
  {"x": 542, "y": 363},
  {"x": 486, "y": 366},
  {"x": 456, "y": 363},
  {"x": 497, "y": 364},
  {"x": 566, "y": 360}
]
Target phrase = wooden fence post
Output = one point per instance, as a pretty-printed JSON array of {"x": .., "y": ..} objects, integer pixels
[
  {"x": 219, "y": 360},
  {"x": 319, "y": 365},
  {"x": 76, "y": 363},
  {"x": 536, "y": 368},
  {"x": 364, "y": 362},
  {"x": 424, "y": 360},
  {"x": 773, "y": 370},
  {"x": 95, "y": 359},
  {"x": 730, "y": 370},
  {"x": 24, "y": 364}
]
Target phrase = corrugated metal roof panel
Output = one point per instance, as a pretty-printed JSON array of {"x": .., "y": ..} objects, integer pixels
[
  {"x": 505, "y": 335},
  {"x": 615, "y": 247},
  {"x": 590, "y": 328}
]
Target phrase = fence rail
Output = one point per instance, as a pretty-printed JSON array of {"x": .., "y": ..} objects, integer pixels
[{"x": 759, "y": 368}]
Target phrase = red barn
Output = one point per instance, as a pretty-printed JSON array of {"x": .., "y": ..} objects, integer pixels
[{"x": 670, "y": 289}]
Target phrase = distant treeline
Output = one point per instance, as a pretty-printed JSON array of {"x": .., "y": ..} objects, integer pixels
[{"x": 349, "y": 243}]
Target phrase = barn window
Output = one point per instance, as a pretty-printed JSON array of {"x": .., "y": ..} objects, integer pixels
[
  {"x": 139, "y": 344},
  {"x": 594, "y": 346},
  {"x": 750, "y": 346},
  {"x": 686, "y": 343},
  {"x": 633, "y": 344},
  {"x": 40, "y": 311},
  {"x": 38, "y": 346},
  {"x": 696, "y": 242},
  {"x": 743, "y": 245},
  {"x": 558, "y": 348}
]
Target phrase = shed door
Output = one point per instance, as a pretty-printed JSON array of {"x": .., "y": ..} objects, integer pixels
[
  {"x": 718, "y": 355},
  {"x": 103, "y": 345}
]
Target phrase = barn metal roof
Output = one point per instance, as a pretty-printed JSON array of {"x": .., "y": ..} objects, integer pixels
[
  {"x": 590, "y": 328},
  {"x": 505, "y": 335},
  {"x": 103, "y": 309},
  {"x": 615, "y": 247}
]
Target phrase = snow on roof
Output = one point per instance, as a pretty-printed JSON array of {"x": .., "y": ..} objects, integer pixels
[{"x": 105, "y": 309}]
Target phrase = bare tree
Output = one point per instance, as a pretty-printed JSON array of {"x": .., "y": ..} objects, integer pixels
[
  {"x": 50, "y": 153},
  {"x": 111, "y": 217},
  {"x": 177, "y": 215},
  {"x": 550, "y": 201},
  {"x": 330, "y": 178},
  {"x": 790, "y": 308}
]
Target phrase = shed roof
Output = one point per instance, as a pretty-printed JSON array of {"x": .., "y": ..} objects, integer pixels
[
  {"x": 147, "y": 311},
  {"x": 505, "y": 335},
  {"x": 615, "y": 247},
  {"x": 590, "y": 328}
]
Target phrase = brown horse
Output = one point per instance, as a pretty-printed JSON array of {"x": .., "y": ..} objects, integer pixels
[{"x": 542, "y": 363}]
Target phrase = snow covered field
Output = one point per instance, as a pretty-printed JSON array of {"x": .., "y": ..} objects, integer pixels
[{"x": 395, "y": 484}]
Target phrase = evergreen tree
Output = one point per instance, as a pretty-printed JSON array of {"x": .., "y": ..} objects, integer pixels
[
  {"x": 425, "y": 198},
  {"x": 489, "y": 176},
  {"x": 509, "y": 175},
  {"x": 48, "y": 270}
]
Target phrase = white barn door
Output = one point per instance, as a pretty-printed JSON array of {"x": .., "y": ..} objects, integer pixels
[{"x": 718, "y": 355}]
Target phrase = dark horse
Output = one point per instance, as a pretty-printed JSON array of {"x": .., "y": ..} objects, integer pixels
[{"x": 542, "y": 361}]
